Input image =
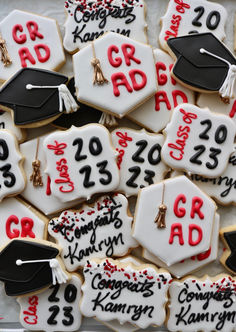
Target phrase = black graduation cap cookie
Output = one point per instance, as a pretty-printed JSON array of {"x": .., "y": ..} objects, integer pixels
[
  {"x": 28, "y": 266},
  {"x": 203, "y": 63},
  {"x": 36, "y": 97},
  {"x": 228, "y": 259}
]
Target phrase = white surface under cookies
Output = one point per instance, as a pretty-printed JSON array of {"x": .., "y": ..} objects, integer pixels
[{"x": 155, "y": 9}]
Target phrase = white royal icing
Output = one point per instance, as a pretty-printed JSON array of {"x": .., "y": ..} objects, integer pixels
[
  {"x": 156, "y": 112},
  {"x": 202, "y": 305},
  {"x": 12, "y": 179},
  {"x": 9, "y": 309},
  {"x": 189, "y": 220},
  {"x": 214, "y": 102},
  {"x": 29, "y": 38},
  {"x": 198, "y": 141},
  {"x": 125, "y": 292},
  {"x": 139, "y": 159},
  {"x": 20, "y": 220},
  {"x": 187, "y": 16},
  {"x": 131, "y": 78},
  {"x": 56, "y": 309},
  {"x": 98, "y": 231},
  {"x": 84, "y": 24},
  {"x": 114, "y": 324},
  {"x": 40, "y": 196},
  {"x": 222, "y": 188},
  {"x": 195, "y": 262},
  {"x": 6, "y": 122},
  {"x": 81, "y": 162}
]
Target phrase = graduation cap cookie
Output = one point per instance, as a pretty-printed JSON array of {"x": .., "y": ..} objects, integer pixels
[
  {"x": 204, "y": 63},
  {"x": 36, "y": 97},
  {"x": 28, "y": 266}
]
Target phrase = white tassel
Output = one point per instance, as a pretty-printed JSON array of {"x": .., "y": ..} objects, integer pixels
[
  {"x": 65, "y": 97},
  {"x": 227, "y": 88},
  {"x": 58, "y": 275},
  {"x": 108, "y": 120}
]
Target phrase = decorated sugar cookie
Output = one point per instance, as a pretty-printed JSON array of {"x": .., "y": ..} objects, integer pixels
[
  {"x": 156, "y": 112},
  {"x": 215, "y": 103},
  {"x": 191, "y": 16},
  {"x": 222, "y": 188},
  {"x": 55, "y": 309},
  {"x": 29, "y": 40},
  {"x": 88, "y": 20},
  {"x": 198, "y": 141},
  {"x": 9, "y": 308},
  {"x": 12, "y": 178},
  {"x": 174, "y": 220},
  {"x": 204, "y": 64},
  {"x": 81, "y": 162},
  {"x": 36, "y": 97},
  {"x": 6, "y": 122},
  {"x": 206, "y": 304},
  {"x": 193, "y": 263},
  {"x": 95, "y": 231},
  {"x": 29, "y": 266},
  {"x": 18, "y": 219},
  {"x": 115, "y": 325},
  {"x": 115, "y": 74},
  {"x": 129, "y": 293},
  {"x": 38, "y": 187},
  {"x": 139, "y": 159},
  {"x": 228, "y": 236}
]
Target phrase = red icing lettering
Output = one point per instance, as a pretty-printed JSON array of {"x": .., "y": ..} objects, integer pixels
[
  {"x": 31, "y": 313},
  {"x": 174, "y": 156},
  {"x": 15, "y": 232},
  {"x": 161, "y": 97},
  {"x": 27, "y": 225},
  {"x": 138, "y": 86},
  {"x": 181, "y": 6},
  {"x": 64, "y": 176},
  {"x": 194, "y": 227},
  {"x": 58, "y": 147},
  {"x": 115, "y": 62},
  {"x": 33, "y": 30},
  {"x": 33, "y": 300},
  {"x": 48, "y": 189},
  {"x": 197, "y": 203},
  {"x": 188, "y": 116},
  {"x": 19, "y": 39},
  {"x": 178, "y": 93},
  {"x": 124, "y": 138},
  {"x": 120, "y": 157},
  {"x": 233, "y": 110},
  {"x": 176, "y": 230},
  {"x": 179, "y": 212},
  {"x": 161, "y": 78},
  {"x": 129, "y": 55},
  {"x": 38, "y": 50},
  {"x": 25, "y": 54},
  {"x": 117, "y": 80}
]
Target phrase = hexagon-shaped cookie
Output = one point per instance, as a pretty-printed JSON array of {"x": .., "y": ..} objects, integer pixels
[
  {"x": 121, "y": 76},
  {"x": 188, "y": 223},
  {"x": 31, "y": 41}
]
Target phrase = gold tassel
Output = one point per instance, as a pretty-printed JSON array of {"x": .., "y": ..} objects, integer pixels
[
  {"x": 98, "y": 77},
  {"x": 5, "y": 58},
  {"x": 161, "y": 216},
  {"x": 36, "y": 175}
]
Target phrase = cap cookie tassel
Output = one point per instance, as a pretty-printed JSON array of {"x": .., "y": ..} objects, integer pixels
[
  {"x": 58, "y": 275},
  {"x": 65, "y": 97},
  {"x": 98, "y": 77},
  {"x": 5, "y": 58},
  {"x": 108, "y": 120},
  {"x": 36, "y": 177},
  {"x": 161, "y": 216}
]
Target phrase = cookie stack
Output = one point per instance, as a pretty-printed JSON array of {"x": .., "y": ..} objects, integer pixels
[{"x": 109, "y": 207}]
